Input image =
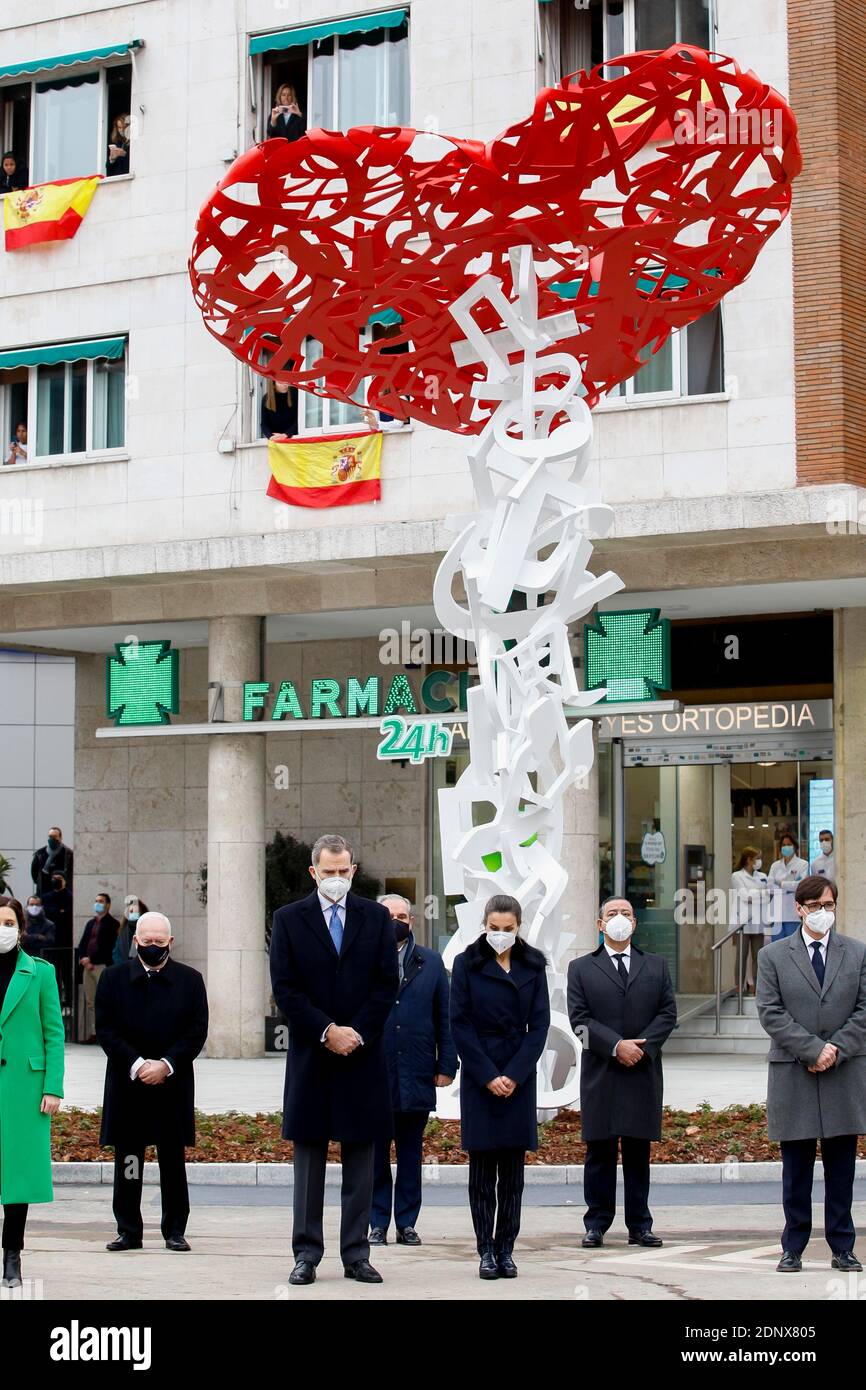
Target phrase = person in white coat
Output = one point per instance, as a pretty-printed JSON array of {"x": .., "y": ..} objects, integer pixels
[
  {"x": 825, "y": 862},
  {"x": 785, "y": 873},
  {"x": 750, "y": 908}
]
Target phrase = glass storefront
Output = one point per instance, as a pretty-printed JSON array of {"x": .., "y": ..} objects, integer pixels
[{"x": 680, "y": 797}]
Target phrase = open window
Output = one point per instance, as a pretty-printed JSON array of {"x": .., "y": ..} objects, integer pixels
[
  {"x": 578, "y": 34},
  {"x": 342, "y": 73},
  {"x": 63, "y": 400},
  {"x": 689, "y": 363},
  {"x": 60, "y": 115}
]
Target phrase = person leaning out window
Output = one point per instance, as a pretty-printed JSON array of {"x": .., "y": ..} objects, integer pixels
[
  {"x": 117, "y": 160},
  {"x": 13, "y": 174},
  {"x": 500, "y": 1014}
]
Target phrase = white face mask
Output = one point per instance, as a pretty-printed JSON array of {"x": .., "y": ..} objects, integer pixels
[
  {"x": 8, "y": 938},
  {"x": 334, "y": 888},
  {"x": 826, "y": 847},
  {"x": 758, "y": 863},
  {"x": 820, "y": 921},
  {"x": 500, "y": 941},
  {"x": 33, "y": 910},
  {"x": 619, "y": 928}
]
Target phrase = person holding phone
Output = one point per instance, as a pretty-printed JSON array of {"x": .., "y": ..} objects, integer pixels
[
  {"x": 287, "y": 121},
  {"x": 118, "y": 147},
  {"x": 18, "y": 446}
]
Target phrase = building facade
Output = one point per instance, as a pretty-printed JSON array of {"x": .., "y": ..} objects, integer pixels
[{"x": 733, "y": 462}]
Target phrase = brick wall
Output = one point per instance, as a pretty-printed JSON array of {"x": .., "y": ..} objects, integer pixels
[{"x": 827, "y": 88}]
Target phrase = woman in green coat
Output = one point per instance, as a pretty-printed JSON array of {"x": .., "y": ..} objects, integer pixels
[{"x": 31, "y": 1082}]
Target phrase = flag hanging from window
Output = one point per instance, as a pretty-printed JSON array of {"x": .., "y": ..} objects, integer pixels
[
  {"x": 326, "y": 471},
  {"x": 47, "y": 212}
]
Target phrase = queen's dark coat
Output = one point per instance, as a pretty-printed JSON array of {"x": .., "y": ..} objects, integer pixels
[{"x": 499, "y": 1023}]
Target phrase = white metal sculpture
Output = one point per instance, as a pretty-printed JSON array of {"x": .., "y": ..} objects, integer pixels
[{"x": 528, "y": 539}]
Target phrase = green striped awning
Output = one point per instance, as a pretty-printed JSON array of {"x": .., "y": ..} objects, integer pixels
[
  {"x": 68, "y": 60},
  {"x": 361, "y": 24},
  {"x": 62, "y": 352}
]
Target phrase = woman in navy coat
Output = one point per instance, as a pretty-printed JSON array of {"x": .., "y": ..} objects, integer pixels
[{"x": 500, "y": 1014}]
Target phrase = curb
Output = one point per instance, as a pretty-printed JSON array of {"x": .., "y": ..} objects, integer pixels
[{"x": 448, "y": 1174}]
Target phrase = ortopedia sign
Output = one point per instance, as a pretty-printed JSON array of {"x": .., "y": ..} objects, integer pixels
[{"x": 772, "y": 716}]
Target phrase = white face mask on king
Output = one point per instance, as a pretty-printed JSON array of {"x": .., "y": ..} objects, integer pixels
[
  {"x": 619, "y": 928},
  {"x": 334, "y": 888}
]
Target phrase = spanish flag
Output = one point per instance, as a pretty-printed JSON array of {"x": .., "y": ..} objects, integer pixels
[
  {"x": 46, "y": 212},
  {"x": 326, "y": 471}
]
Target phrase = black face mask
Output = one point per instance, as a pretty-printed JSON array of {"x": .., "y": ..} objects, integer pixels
[
  {"x": 153, "y": 955},
  {"x": 401, "y": 930}
]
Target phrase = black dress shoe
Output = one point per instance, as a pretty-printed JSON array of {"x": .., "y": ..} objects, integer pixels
[
  {"x": 846, "y": 1259},
  {"x": 506, "y": 1266},
  {"x": 304, "y": 1272},
  {"x": 645, "y": 1238},
  {"x": 11, "y": 1269},
  {"x": 363, "y": 1271},
  {"x": 593, "y": 1240},
  {"x": 378, "y": 1236},
  {"x": 177, "y": 1243},
  {"x": 488, "y": 1268},
  {"x": 790, "y": 1263},
  {"x": 408, "y": 1236},
  {"x": 124, "y": 1243}
]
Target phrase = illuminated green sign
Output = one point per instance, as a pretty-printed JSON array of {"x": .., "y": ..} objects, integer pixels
[
  {"x": 355, "y": 698},
  {"x": 413, "y": 741},
  {"x": 142, "y": 684},
  {"x": 629, "y": 654}
]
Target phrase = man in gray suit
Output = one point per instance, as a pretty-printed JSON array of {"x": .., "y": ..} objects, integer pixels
[{"x": 811, "y": 999}]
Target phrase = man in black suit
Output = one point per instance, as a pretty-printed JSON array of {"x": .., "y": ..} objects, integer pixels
[
  {"x": 151, "y": 1022},
  {"x": 621, "y": 1004},
  {"x": 334, "y": 976}
]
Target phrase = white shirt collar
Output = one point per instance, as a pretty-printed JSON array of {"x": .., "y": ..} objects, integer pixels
[
  {"x": 626, "y": 953},
  {"x": 811, "y": 941},
  {"x": 326, "y": 905}
]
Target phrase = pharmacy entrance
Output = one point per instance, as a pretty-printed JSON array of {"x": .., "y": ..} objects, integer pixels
[{"x": 683, "y": 793}]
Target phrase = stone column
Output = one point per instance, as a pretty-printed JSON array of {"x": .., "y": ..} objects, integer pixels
[
  {"x": 580, "y": 859},
  {"x": 849, "y": 813},
  {"x": 236, "y": 961}
]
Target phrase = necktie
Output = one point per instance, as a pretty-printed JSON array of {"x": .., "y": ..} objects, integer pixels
[
  {"x": 621, "y": 970},
  {"x": 335, "y": 927},
  {"x": 817, "y": 961}
]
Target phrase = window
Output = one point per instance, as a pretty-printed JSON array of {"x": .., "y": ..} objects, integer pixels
[
  {"x": 68, "y": 407},
  {"x": 572, "y": 39},
  {"x": 689, "y": 363},
  {"x": 341, "y": 79},
  {"x": 61, "y": 127}
]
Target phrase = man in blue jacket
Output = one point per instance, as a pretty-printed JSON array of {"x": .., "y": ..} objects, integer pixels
[{"x": 421, "y": 1056}]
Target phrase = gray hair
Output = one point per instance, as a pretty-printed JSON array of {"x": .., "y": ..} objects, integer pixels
[
  {"x": 335, "y": 843},
  {"x": 396, "y": 897},
  {"x": 152, "y": 919}
]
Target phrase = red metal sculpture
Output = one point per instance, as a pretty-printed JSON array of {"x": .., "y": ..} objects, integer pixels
[{"x": 645, "y": 196}]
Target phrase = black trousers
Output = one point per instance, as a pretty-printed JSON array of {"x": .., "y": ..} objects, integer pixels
[
  {"x": 409, "y": 1126},
  {"x": 128, "y": 1178},
  {"x": 308, "y": 1200},
  {"x": 838, "y": 1156},
  {"x": 599, "y": 1183},
  {"x": 14, "y": 1219},
  {"x": 496, "y": 1192}
]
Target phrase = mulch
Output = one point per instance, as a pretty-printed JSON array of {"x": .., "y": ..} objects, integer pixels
[{"x": 697, "y": 1136}]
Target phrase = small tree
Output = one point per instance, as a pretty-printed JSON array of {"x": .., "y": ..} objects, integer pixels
[{"x": 5, "y": 871}]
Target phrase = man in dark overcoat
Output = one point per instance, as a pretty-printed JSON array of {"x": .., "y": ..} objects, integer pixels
[
  {"x": 334, "y": 976},
  {"x": 621, "y": 1005},
  {"x": 151, "y": 1022},
  {"x": 421, "y": 1056},
  {"x": 811, "y": 997}
]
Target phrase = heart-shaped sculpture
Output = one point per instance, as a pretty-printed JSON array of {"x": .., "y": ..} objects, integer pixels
[{"x": 645, "y": 196}]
